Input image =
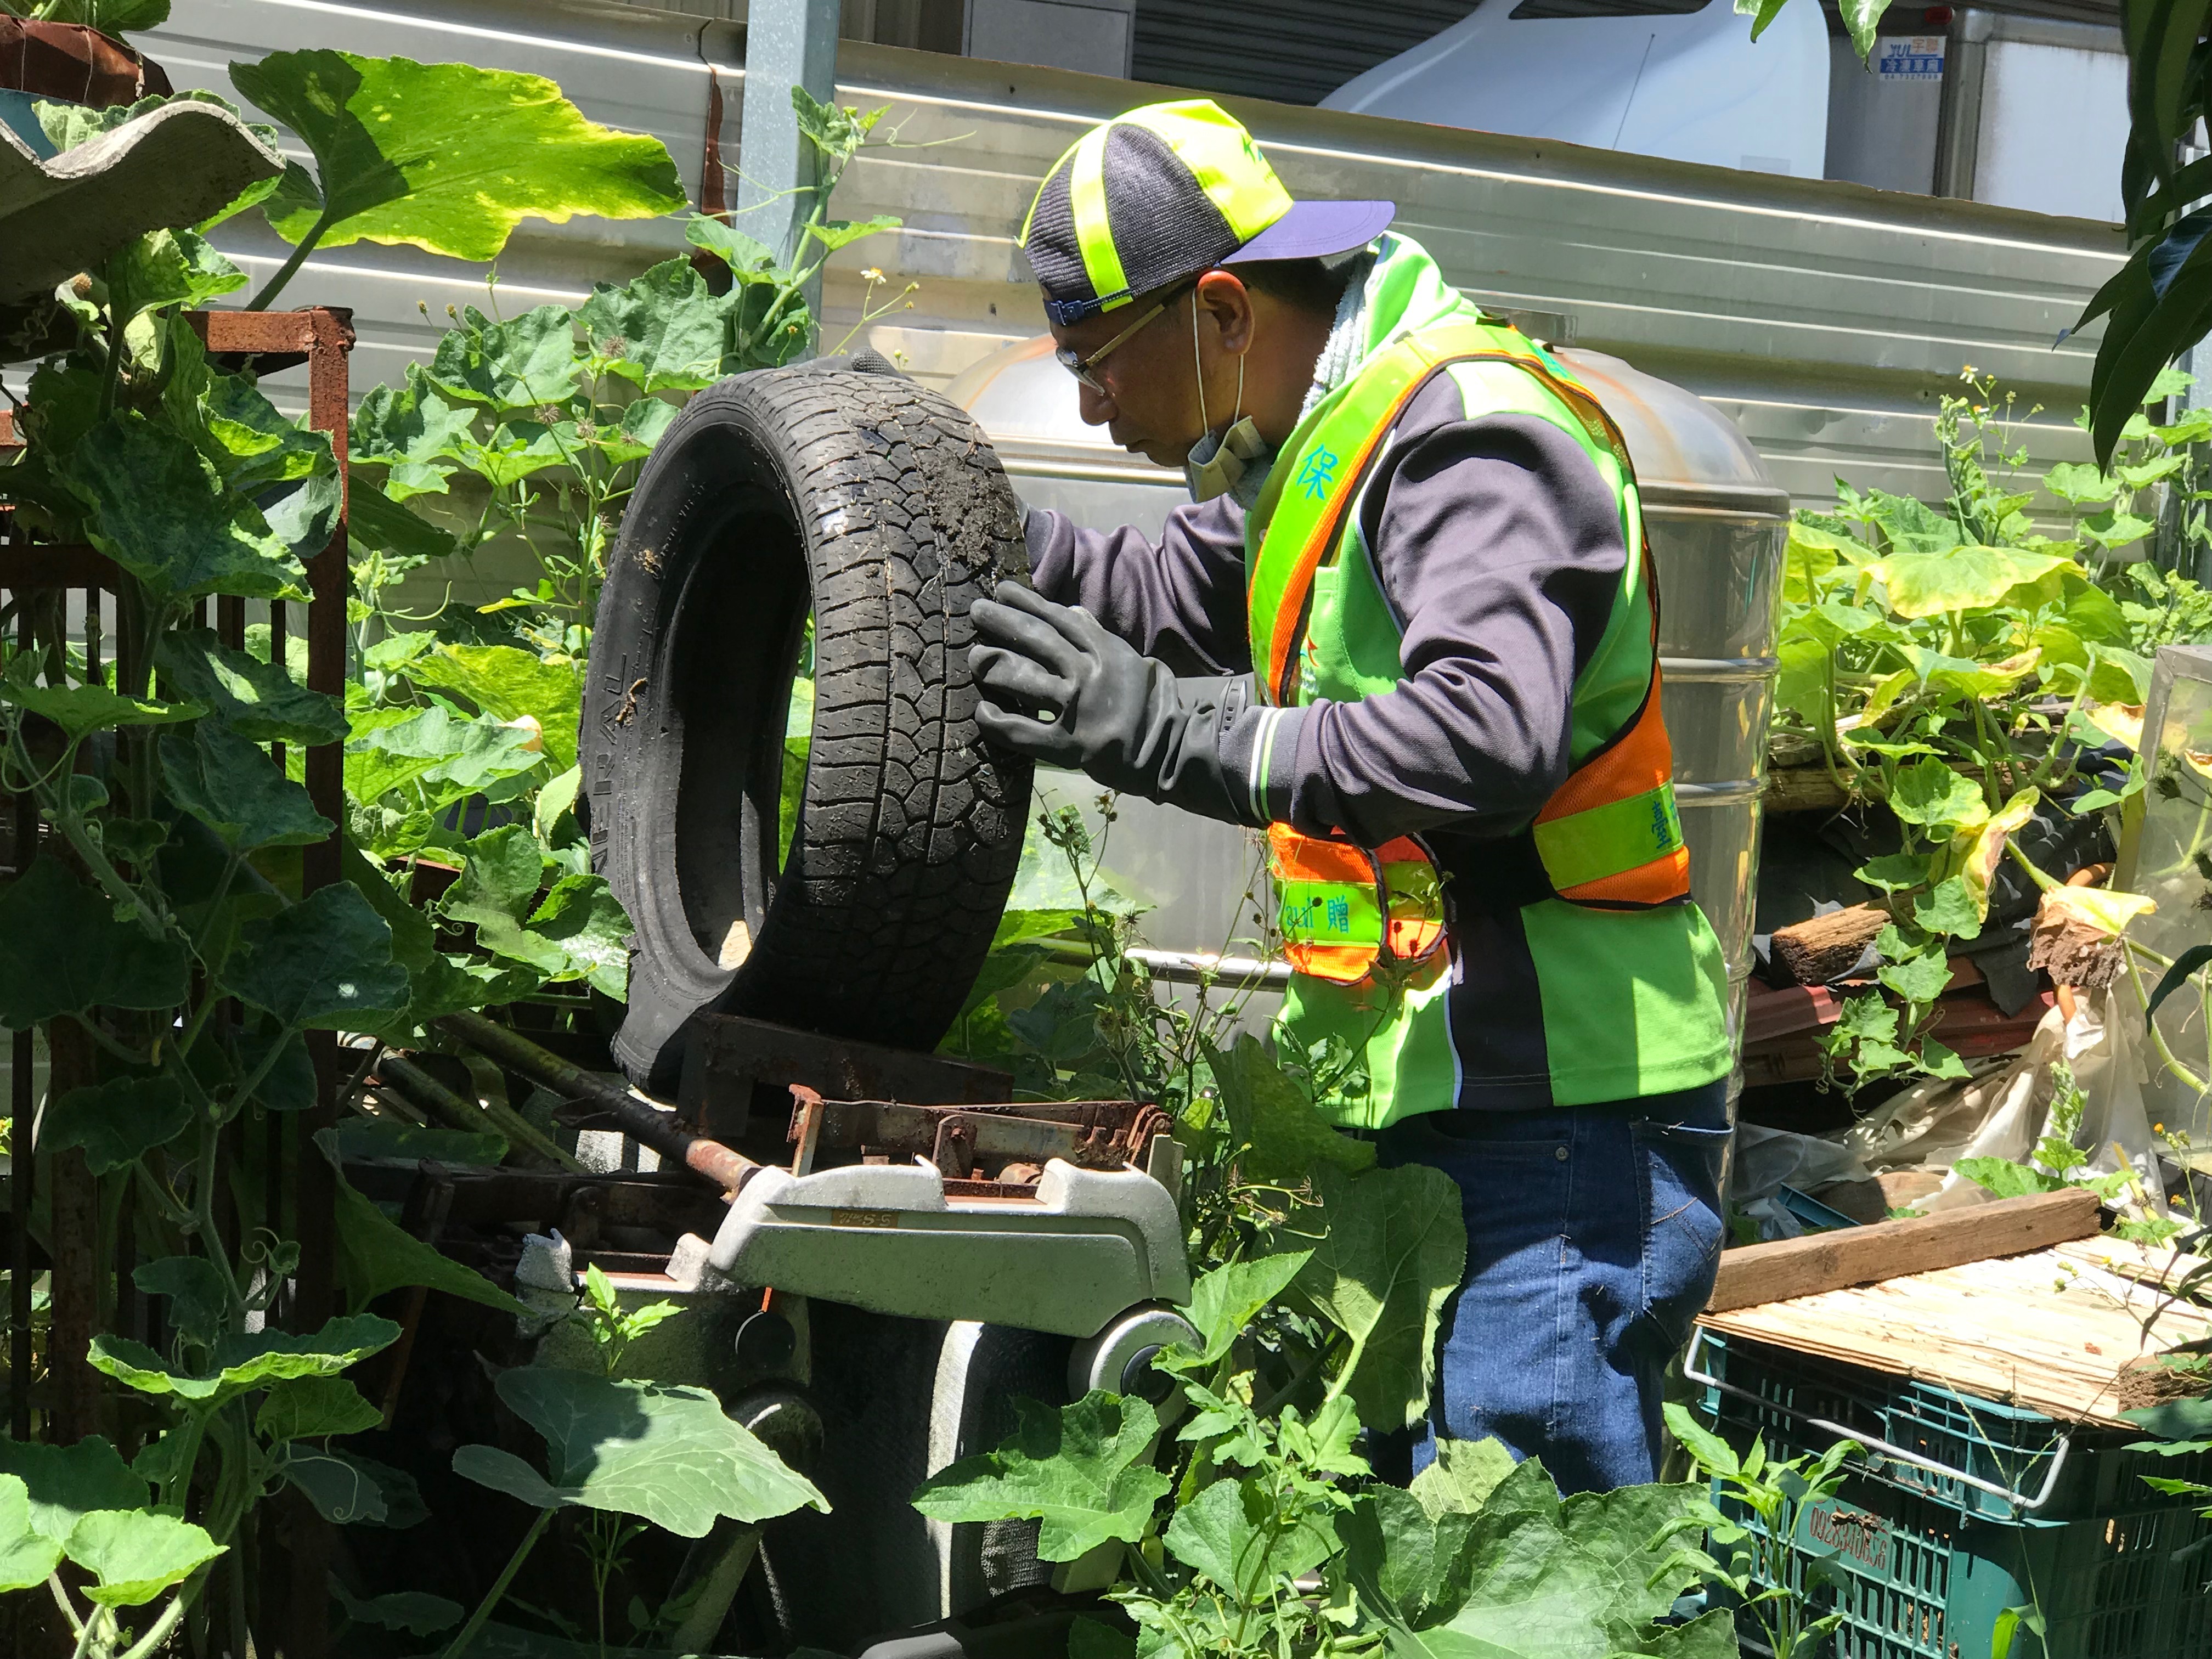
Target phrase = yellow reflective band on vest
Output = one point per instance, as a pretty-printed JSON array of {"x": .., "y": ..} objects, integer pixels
[
  {"x": 1610, "y": 836},
  {"x": 1603, "y": 841}
]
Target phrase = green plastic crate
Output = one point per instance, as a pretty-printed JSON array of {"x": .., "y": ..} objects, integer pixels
[{"x": 1923, "y": 1559}]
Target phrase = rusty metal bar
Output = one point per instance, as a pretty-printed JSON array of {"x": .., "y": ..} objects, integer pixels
[
  {"x": 326, "y": 337},
  {"x": 73, "y": 1252},
  {"x": 21, "y": 1186},
  {"x": 280, "y": 628},
  {"x": 638, "y": 1116},
  {"x": 23, "y": 1161}
]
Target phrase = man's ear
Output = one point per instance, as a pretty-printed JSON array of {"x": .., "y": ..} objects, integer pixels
[{"x": 1222, "y": 297}]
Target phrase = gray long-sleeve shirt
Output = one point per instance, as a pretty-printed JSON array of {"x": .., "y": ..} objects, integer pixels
[{"x": 1499, "y": 549}]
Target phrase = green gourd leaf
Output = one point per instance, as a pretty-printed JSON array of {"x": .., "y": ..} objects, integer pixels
[
  {"x": 1962, "y": 578},
  {"x": 343, "y": 1492},
  {"x": 323, "y": 963},
  {"x": 134, "y": 1555},
  {"x": 1929, "y": 793},
  {"x": 415, "y": 1612},
  {"x": 376, "y": 520},
  {"x": 509, "y": 684},
  {"x": 109, "y": 16},
  {"x": 2078, "y": 482},
  {"x": 447, "y": 157},
  {"x": 62, "y": 951},
  {"x": 451, "y": 754},
  {"x": 196, "y": 1295},
  {"x": 117, "y": 1122},
  {"x": 414, "y": 431},
  {"x": 664, "y": 330},
  {"x": 64, "y": 1484},
  {"x": 229, "y": 783},
  {"x": 79, "y": 710},
  {"x": 160, "y": 509},
  {"x": 314, "y": 1408},
  {"x": 376, "y": 1254},
  {"x": 1225, "y": 1535},
  {"x": 1227, "y": 1298},
  {"x": 668, "y": 1453},
  {"x": 244, "y": 1361},
  {"x": 583, "y": 920},
  {"x": 1283, "y": 1134},
  {"x": 26, "y": 1555},
  {"x": 1404, "y": 1560},
  {"x": 1461, "y": 1478},
  {"x": 1394, "y": 1250},
  {"x": 255, "y": 699},
  {"x": 1578, "y": 1578},
  {"x": 523, "y": 364},
  {"x": 1084, "y": 1471}
]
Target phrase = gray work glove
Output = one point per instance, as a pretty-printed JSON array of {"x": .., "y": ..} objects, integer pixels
[{"x": 1121, "y": 717}]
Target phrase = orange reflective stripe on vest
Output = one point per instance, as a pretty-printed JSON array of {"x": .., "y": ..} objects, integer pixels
[{"x": 1610, "y": 836}]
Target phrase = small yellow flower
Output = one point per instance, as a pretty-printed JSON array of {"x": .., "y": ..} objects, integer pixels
[{"x": 872, "y": 274}]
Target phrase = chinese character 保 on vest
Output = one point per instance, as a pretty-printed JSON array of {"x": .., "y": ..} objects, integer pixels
[{"x": 1318, "y": 476}]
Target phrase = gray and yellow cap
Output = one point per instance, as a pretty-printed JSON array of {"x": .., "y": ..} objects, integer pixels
[{"x": 1165, "y": 192}]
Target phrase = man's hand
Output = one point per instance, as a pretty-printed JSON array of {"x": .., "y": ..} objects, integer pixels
[
  {"x": 1119, "y": 716},
  {"x": 1057, "y": 660}
]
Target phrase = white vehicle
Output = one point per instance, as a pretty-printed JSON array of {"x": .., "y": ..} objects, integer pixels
[{"x": 1681, "y": 79}]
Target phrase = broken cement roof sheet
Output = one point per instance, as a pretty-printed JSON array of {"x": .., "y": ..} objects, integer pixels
[{"x": 65, "y": 213}]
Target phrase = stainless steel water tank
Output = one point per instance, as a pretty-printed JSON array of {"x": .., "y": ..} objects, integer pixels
[{"x": 1719, "y": 524}]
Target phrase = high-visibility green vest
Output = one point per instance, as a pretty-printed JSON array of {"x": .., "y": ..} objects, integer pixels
[{"x": 1634, "y": 997}]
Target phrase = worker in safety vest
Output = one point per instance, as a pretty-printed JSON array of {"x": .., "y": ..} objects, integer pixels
[{"x": 1407, "y": 627}]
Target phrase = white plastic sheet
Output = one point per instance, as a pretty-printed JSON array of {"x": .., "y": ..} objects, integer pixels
[{"x": 2001, "y": 1113}]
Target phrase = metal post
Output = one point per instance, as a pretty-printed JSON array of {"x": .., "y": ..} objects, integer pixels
[
  {"x": 1958, "y": 115},
  {"x": 788, "y": 43}
]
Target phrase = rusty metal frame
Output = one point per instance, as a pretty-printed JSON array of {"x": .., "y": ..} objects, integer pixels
[
  {"x": 734, "y": 1066},
  {"x": 321, "y": 337},
  {"x": 1013, "y": 1141}
]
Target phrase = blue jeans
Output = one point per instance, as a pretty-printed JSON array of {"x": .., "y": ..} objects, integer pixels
[{"x": 1593, "y": 1236}]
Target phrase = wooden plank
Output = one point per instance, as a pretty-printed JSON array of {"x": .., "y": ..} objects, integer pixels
[{"x": 1755, "y": 1273}]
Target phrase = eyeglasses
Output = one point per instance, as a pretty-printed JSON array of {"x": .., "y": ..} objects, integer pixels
[{"x": 1084, "y": 368}]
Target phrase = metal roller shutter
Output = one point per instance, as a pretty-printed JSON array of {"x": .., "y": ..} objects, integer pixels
[{"x": 1296, "y": 52}]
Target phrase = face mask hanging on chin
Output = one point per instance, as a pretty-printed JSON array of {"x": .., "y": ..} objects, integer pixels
[{"x": 1233, "y": 463}]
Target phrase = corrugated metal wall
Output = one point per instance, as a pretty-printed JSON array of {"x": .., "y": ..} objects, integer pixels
[
  {"x": 1826, "y": 318},
  {"x": 1296, "y": 52}
]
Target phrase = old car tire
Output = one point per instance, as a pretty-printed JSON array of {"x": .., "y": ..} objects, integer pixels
[{"x": 879, "y": 507}]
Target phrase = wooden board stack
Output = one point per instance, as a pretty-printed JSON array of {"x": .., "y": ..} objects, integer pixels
[{"x": 2073, "y": 1330}]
